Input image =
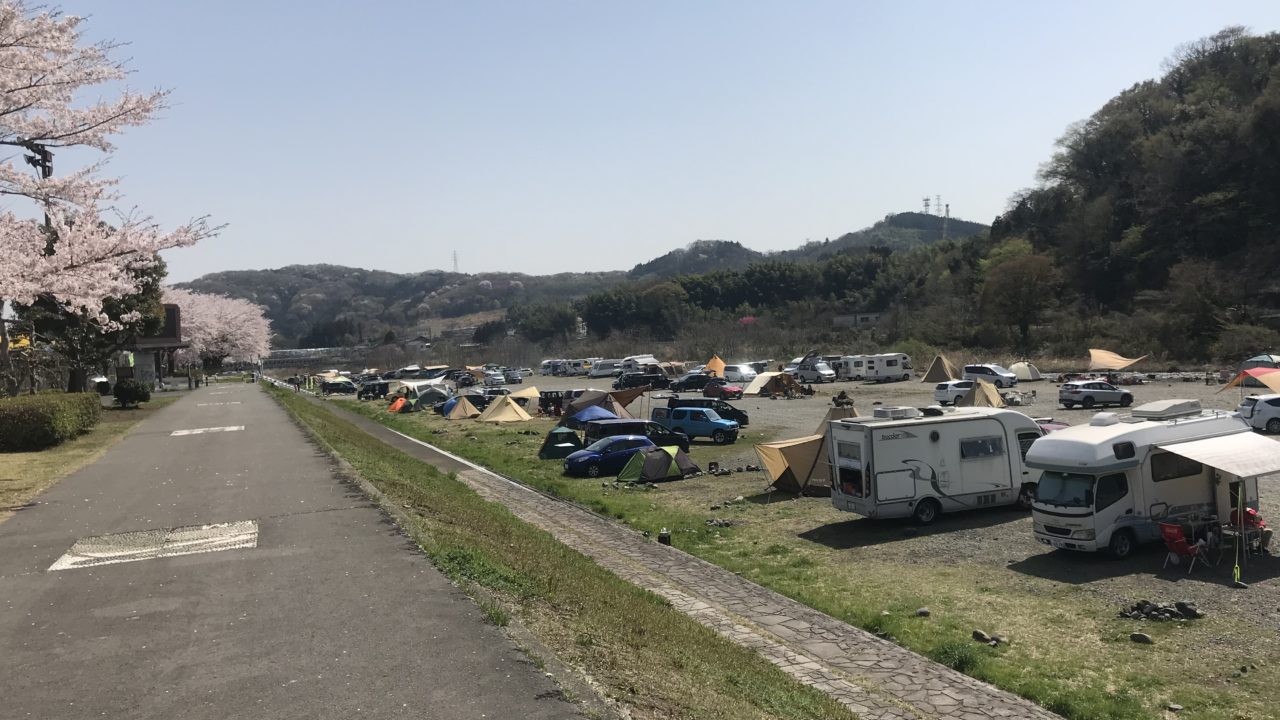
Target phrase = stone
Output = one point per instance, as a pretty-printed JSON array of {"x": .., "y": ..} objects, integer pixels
[
  {"x": 739, "y": 499},
  {"x": 1173, "y": 707},
  {"x": 715, "y": 507},
  {"x": 981, "y": 636},
  {"x": 923, "y": 612},
  {"x": 1141, "y": 638}
]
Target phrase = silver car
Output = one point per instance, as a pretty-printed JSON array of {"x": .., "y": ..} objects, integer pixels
[
  {"x": 1262, "y": 412},
  {"x": 1091, "y": 393}
]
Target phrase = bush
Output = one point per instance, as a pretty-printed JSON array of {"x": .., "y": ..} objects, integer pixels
[
  {"x": 34, "y": 422},
  {"x": 131, "y": 392}
]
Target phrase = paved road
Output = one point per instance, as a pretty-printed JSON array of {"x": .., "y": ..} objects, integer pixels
[{"x": 334, "y": 614}]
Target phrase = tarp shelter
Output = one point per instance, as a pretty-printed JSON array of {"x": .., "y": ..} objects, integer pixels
[
  {"x": 624, "y": 397},
  {"x": 1107, "y": 360},
  {"x": 772, "y": 383},
  {"x": 1259, "y": 362},
  {"x": 982, "y": 394},
  {"x": 596, "y": 397},
  {"x": 502, "y": 410},
  {"x": 1025, "y": 371},
  {"x": 940, "y": 370},
  {"x": 587, "y": 414},
  {"x": 1261, "y": 375},
  {"x": 790, "y": 463},
  {"x": 654, "y": 464},
  {"x": 1243, "y": 454},
  {"x": 559, "y": 443},
  {"x": 462, "y": 410},
  {"x": 714, "y": 366}
]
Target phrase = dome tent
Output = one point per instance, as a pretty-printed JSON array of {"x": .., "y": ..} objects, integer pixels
[{"x": 1025, "y": 371}]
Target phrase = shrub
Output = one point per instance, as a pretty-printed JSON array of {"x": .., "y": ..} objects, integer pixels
[
  {"x": 131, "y": 392},
  {"x": 34, "y": 422}
]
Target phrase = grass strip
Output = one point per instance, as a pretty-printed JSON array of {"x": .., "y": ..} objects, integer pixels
[
  {"x": 647, "y": 655},
  {"x": 1069, "y": 654}
]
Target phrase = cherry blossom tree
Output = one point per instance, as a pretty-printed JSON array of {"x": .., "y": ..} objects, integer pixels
[
  {"x": 66, "y": 241},
  {"x": 220, "y": 328}
]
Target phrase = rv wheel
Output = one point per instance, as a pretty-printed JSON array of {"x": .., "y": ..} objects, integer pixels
[
  {"x": 593, "y": 470},
  {"x": 927, "y": 511},
  {"x": 1121, "y": 544},
  {"x": 1027, "y": 497},
  {"x": 1273, "y": 426}
]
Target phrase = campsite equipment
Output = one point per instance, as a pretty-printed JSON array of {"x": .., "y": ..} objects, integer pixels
[
  {"x": 714, "y": 367},
  {"x": 1107, "y": 360},
  {"x": 502, "y": 410},
  {"x": 664, "y": 537},
  {"x": 1258, "y": 376},
  {"x": 940, "y": 370},
  {"x": 590, "y": 398},
  {"x": 559, "y": 443},
  {"x": 592, "y": 412},
  {"x": 1026, "y": 372},
  {"x": 803, "y": 465},
  {"x": 655, "y": 464},
  {"x": 982, "y": 394},
  {"x": 927, "y": 464},
  {"x": 462, "y": 409},
  {"x": 773, "y": 383},
  {"x": 1108, "y": 484}
]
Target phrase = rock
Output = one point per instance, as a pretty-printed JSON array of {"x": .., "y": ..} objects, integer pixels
[
  {"x": 1173, "y": 707},
  {"x": 715, "y": 507},
  {"x": 981, "y": 636},
  {"x": 739, "y": 499},
  {"x": 885, "y": 612},
  {"x": 1141, "y": 638},
  {"x": 923, "y": 612}
]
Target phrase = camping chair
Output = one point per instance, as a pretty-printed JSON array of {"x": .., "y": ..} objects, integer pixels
[{"x": 1175, "y": 541}]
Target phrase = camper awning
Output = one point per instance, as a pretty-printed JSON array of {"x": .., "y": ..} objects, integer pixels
[{"x": 1243, "y": 454}]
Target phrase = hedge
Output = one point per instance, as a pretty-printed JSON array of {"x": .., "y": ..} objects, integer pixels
[{"x": 34, "y": 422}]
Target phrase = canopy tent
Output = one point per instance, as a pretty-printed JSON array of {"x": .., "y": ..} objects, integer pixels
[
  {"x": 1262, "y": 375},
  {"x": 462, "y": 410},
  {"x": 940, "y": 370},
  {"x": 790, "y": 463},
  {"x": 653, "y": 464},
  {"x": 1107, "y": 360},
  {"x": 772, "y": 383},
  {"x": 559, "y": 443},
  {"x": 1025, "y": 371},
  {"x": 1243, "y": 454},
  {"x": 714, "y": 366},
  {"x": 1263, "y": 361},
  {"x": 587, "y": 414},
  {"x": 592, "y": 398},
  {"x": 982, "y": 394},
  {"x": 623, "y": 398},
  {"x": 502, "y": 410}
]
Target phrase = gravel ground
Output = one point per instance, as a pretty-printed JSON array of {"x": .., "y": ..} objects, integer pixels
[{"x": 1002, "y": 537}]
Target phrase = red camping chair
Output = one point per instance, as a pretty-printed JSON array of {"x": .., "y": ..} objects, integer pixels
[{"x": 1175, "y": 541}]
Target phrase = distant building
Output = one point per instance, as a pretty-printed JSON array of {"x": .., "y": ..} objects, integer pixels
[{"x": 858, "y": 320}]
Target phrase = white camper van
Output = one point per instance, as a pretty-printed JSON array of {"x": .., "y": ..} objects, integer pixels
[
  {"x": 637, "y": 363},
  {"x": 905, "y": 463},
  {"x": 605, "y": 368},
  {"x": 888, "y": 367},
  {"x": 1108, "y": 485},
  {"x": 851, "y": 367}
]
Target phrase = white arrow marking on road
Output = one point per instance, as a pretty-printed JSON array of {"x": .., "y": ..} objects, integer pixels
[
  {"x": 198, "y": 431},
  {"x": 233, "y": 402}
]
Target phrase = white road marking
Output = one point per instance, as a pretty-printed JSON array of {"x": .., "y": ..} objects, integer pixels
[
  {"x": 151, "y": 544},
  {"x": 233, "y": 402},
  {"x": 198, "y": 431}
]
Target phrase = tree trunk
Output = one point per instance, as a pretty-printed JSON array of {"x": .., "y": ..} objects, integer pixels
[{"x": 77, "y": 379}]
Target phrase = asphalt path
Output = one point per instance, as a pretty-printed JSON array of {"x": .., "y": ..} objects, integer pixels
[{"x": 333, "y": 614}]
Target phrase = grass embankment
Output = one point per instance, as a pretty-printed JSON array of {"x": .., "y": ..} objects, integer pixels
[
  {"x": 1069, "y": 652},
  {"x": 24, "y": 475},
  {"x": 650, "y": 657}
]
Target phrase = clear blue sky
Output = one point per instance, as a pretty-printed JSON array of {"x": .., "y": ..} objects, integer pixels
[{"x": 565, "y": 136}]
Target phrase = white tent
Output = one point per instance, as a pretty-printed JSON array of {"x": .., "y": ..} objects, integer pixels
[{"x": 1025, "y": 371}]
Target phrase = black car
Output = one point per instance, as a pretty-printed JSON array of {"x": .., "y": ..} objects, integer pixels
[
  {"x": 691, "y": 381},
  {"x": 660, "y": 435},
  {"x": 373, "y": 389},
  {"x": 635, "y": 380},
  {"x": 722, "y": 408},
  {"x": 329, "y": 387}
]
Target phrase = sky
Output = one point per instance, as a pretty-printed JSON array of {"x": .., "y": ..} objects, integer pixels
[{"x": 562, "y": 135}]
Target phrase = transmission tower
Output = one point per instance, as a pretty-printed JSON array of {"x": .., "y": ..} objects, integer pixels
[
  {"x": 455, "y": 261},
  {"x": 926, "y": 204},
  {"x": 937, "y": 204}
]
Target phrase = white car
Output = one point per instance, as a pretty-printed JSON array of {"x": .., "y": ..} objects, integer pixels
[
  {"x": 494, "y": 379},
  {"x": 1262, "y": 412},
  {"x": 947, "y": 393},
  {"x": 994, "y": 374},
  {"x": 739, "y": 373}
]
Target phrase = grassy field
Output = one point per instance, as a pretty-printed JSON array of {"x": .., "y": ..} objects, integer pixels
[
  {"x": 24, "y": 475},
  {"x": 652, "y": 659},
  {"x": 1069, "y": 651}
]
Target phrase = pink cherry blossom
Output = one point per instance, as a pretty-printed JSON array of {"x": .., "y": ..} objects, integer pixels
[{"x": 220, "y": 328}]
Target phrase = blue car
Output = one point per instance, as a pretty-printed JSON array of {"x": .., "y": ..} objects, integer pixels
[{"x": 604, "y": 457}]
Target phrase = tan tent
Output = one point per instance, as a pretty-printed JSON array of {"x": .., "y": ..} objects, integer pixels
[
  {"x": 940, "y": 370},
  {"x": 1107, "y": 360},
  {"x": 1025, "y": 371},
  {"x": 790, "y": 463},
  {"x": 530, "y": 393},
  {"x": 982, "y": 394},
  {"x": 833, "y": 414},
  {"x": 463, "y": 410},
  {"x": 623, "y": 398},
  {"x": 596, "y": 397},
  {"x": 715, "y": 366},
  {"x": 772, "y": 383},
  {"x": 503, "y": 409}
]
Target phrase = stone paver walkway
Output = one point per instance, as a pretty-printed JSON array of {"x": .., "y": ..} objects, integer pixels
[{"x": 875, "y": 678}]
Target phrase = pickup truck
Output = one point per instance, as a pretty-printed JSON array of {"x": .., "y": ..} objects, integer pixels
[{"x": 697, "y": 422}]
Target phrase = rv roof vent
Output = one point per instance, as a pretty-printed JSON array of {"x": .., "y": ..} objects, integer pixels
[
  {"x": 1105, "y": 418},
  {"x": 895, "y": 413},
  {"x": 932, "y": 411},
  {"x": 1167, "y": 409}
]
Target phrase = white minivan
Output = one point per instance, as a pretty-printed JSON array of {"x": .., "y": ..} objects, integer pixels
[{"x": 739, "y": 373}]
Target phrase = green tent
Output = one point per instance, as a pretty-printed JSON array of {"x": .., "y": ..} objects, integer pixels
[
  {"x": 651, "y": 464},
  {"x": 559, "y": 443}
]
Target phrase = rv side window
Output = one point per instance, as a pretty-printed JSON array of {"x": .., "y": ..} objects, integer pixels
[
  {"x": 849, "y": 451},
  {"x": 981, "y": 447},
  {"x": 1024, "y": 442},
  {"x": 1110, "y": 489},
  {"x": 891, "y": 363},
  {"x": 1124, "y": 450},
  {"x": 1169, "y": 466}
]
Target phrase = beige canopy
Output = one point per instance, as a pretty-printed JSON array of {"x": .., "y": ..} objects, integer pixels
[
  {"x": 982, "y": 394},
  {"x": 1107, "y": 360},
  {"x": 790, "y": 463},
  {"x": 940, "y": 370},
  {"x": 503, "y": 409},
  {"x": 775, "y": 383}
]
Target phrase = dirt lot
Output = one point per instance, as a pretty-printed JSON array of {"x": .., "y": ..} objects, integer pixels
[{"x": 1000, "y": 539}]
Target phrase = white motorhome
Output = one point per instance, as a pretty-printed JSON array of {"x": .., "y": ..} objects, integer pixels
[
  {"x": 905, "y": 463},
  {"x": 637, "y": 363},
  {"x": 888, "y": 367},
  {"x": 851, "y": 367},
  {"x": 605, "y": 368},
  {"x": 1108, "y": 485}
]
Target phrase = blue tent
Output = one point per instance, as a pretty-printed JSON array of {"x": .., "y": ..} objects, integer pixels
[
  {"x": 586, "y": 415},
  {"x": 448, "y": 405}
]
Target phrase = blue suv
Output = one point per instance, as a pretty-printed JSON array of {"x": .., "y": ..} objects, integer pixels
[{"x": 697, "y": 422}]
